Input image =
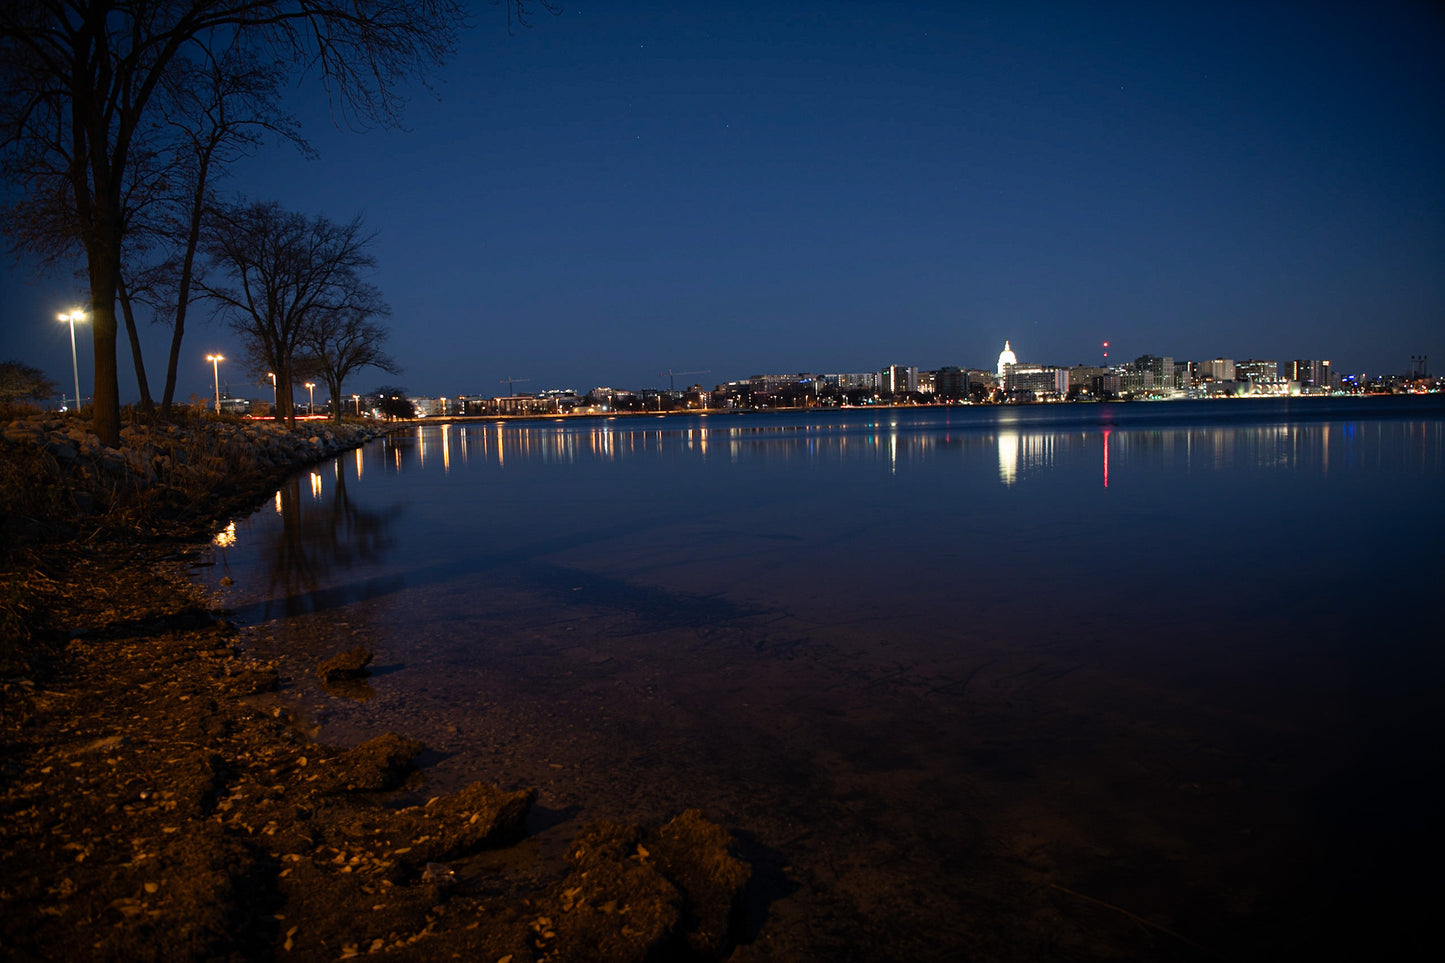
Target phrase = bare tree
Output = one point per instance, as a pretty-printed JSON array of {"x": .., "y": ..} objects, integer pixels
[
  {"x": 218, "y": 111},
  {"x": 341, "y": 342},
  {"x": 79, "y": 79},
  {"x": 278, "y": 273},
  {"x": 393, "y": 402},
  {"x": 21, "y": 382}
]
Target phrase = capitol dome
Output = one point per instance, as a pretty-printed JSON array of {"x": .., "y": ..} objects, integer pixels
[{"x": 1006, "y": 356}]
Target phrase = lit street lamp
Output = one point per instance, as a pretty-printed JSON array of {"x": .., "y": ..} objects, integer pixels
[
  {"x": 275, "y": 397},
  {"x": 311, "y": 405},
  {"x": 357, "y": 399},
  {"x": 72, "y": 317},
  {"x": 215, "y": 361}
]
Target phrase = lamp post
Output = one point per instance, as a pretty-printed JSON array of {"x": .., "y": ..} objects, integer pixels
[
  {"x": 275, "y": 397},
  {"x": 357, "y": 399},
  {"x": 72, "y": 317},
  {"x": 311, "y": 394},
  {"x": 215, "y": 361}
]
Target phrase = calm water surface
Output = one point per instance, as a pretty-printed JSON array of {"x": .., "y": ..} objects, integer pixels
[{"x": 1088, "y": 682}]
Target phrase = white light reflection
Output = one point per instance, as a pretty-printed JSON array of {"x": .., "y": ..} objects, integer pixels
[
  {"x": 358, "y": 464},
  {"x": 446, "y": 449},
  {"x": 1018, "y": 452},
  {"x": 1008, "y": 457},
  {"x": 278, "y": 501},
  {"x": 316, "y": 485}
]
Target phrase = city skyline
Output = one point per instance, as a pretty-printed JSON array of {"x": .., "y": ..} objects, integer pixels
[
  {"x": 1313, "y": 375},
  {"x": 612, "y": 194}
]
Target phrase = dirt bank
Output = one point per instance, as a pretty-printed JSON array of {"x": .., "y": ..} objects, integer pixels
[{"x": 157, "y": 801}]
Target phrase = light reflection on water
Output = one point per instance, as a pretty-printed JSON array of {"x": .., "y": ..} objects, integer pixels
[{"x": 1017, "y": 638}]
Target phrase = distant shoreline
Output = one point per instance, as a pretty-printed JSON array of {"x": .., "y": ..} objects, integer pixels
[{"x": 724, "y": 412}]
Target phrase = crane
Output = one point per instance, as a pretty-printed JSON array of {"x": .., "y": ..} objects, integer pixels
[
  {"x": 509, "y": 382},
  {"x": 672, "y": 376}
]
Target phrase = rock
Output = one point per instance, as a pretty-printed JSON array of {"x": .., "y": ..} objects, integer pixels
[
  {"x": 677, "y": 889},
  {"x": 617, "y": 906},
  {"x": 376, "y": 765},
  {"x": 697, "y": 856},
  {"x": 347, "y": 665},
  {"x": 468, "y": 821},
  {"x": 62, "y": 450}
]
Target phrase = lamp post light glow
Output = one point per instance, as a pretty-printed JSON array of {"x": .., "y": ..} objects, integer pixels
[
  {"x": 215, "y": 361},
  {"x": 311, "y": 404},
  {"x": 275, "y": 396},
  {"x": 357, "y": 399},
  {"x": 72, "y": 317}
]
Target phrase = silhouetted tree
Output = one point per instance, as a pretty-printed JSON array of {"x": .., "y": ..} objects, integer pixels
[
  {"x": 223, "y": 109},
  {"x": 81, "y": 79},
  {"x": 287, "y": 273},
  {"x": 20, "y": 382},
  {"x": 340, "y": 342},
  {"x": 393, "y": 402}
]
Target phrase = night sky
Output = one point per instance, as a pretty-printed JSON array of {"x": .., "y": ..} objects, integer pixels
[{"x": 749, "y": 188}]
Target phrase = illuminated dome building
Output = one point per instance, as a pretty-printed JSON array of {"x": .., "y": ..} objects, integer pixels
[{"x": 1005, "y": 357}]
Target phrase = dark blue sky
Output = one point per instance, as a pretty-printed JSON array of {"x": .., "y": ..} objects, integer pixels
[{"x": 751, "y": 187}]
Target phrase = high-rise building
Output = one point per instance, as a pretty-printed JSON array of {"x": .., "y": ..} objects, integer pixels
[
  {"x": 1312, "y": 374},
  {"x": 1081, "y": 377},
  {"x": 950, "y": 382},
  {"x": 1136, "y": 381},
  {"x": 855, "y": 381},
  {"x": 896, "y": 379},
  {"x": 1161, "y": 368},
  {"x": 1220, "y": 369},
  {"x": 1259, "y": 372},
  {"x": 1035, "y": 382}
]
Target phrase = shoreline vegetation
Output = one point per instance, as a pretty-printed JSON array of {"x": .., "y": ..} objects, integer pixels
[{"x": 161, "y": 802}]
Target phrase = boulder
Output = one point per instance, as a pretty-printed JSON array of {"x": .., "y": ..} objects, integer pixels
[
  {"x": 376, "y": 765},
  {"x": 346, "y": 666}
]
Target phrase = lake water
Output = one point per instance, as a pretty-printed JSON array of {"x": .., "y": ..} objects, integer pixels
[{"x": 1150, "y": 681}]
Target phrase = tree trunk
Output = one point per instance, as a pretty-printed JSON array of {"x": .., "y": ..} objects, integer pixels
[
  {"x": 104, "y": 264},
  {"x": 335, "y": 386},
  {"x": 188, "y": 273},
  {"x": 146, "y": 404},
  {"x": 173, "y": 362},
  {"x": 284, "y": 409}
]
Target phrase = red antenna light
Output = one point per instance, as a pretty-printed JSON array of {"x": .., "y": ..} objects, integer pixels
[{"x": 1106, "y": 349}]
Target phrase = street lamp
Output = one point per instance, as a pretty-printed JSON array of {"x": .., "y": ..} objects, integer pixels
[
  {"x": 357, "y": 399},
  {"x": 72, "y": 317},
  {"x": 215, "y": 361},
  {"x": 275, "y": 396},
  {"x": 311, "y": 404}
]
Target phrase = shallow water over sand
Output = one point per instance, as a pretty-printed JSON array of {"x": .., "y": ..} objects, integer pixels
[{"x": 1087, "y": 681}]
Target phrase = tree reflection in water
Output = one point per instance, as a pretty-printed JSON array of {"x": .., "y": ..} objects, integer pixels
[{"x": 317, "y": 540}]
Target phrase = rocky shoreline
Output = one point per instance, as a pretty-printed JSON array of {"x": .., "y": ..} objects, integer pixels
[{"x": 159, "y": 801}]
